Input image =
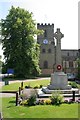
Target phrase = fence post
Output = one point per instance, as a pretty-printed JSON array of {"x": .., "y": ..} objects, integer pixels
[
  {"x": 16, "y": 98},
  {"x": 73, "y": 96},
  {"x": 21, "y": 85},
  {"x": 19, "y": 90}
]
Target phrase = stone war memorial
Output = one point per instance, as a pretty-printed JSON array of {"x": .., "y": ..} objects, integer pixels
[{"x": 59, "y": 79}]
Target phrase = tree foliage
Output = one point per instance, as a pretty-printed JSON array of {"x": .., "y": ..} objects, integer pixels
[
  {"x": 21, "y": 50},
  {"x": 0, "y": 63},
  {"x": 79, "y": 68}
]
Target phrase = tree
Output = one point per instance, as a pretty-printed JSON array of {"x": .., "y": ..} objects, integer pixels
[
  {"x": 0, "y": 63},
  {"x": 21, "y": 51},
  {"x": 78, "y": 68},
  {"x": 78, "y": 60}
]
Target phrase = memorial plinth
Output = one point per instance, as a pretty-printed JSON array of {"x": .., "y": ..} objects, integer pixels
[{"x": 59, "y": 81}]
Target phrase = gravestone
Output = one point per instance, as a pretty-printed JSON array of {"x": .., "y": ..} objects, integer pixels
[{"x": 58, "y": 78}]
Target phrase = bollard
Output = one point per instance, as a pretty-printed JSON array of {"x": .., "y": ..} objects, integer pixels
[
  {"x": 1, "y": 116},
  {"x": 19, "y": 90},
  {"x": 16, "y": 98},
  {"x": 6, "y": 82},
  {"x": 73, "y": 95}
]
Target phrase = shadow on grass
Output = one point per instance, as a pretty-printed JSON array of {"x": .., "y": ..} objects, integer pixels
[
  {"x": 11, "y": 104},
  {"x": 13, "y": 101},
  {"x": 8, "y": 106}
]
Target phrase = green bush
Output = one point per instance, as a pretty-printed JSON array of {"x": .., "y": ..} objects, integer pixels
[
  {"x": 73, "y": 84},
  {"x": 56, "y": 98},
  {"x": 27, "y": 86},
  {"x": 41, "y": 86},
  {"x": 32, "y": 100},
  {"x": 36, "y": 86}
]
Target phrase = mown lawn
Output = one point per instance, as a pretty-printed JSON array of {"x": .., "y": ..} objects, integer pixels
[
  {"x": 40, "y": 111},
  {"x": 32, "y": 83},
  {"x": 15, "y": 86}
]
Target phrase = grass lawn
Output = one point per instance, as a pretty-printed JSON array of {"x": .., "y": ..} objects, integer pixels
[
  {"x": 15, "y": 86},
  {"x": 40, "y": 111}
]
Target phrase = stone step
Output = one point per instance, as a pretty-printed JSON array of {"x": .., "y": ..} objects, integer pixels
[
  {"x": 48, "y": 91},
  {"x": 65, "y": 93},
  {"x": 49, "y": 95}
]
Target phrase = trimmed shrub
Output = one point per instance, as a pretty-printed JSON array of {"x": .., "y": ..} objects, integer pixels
[
  {"x": 27, "y": 86},
  {"x": 41, "y": 86},
  {"x": 56, "y": 98},
  {"x": 73, "y": 84},
  {"x": 32, "y": 100},
  {"x": 37, "y": 86}
]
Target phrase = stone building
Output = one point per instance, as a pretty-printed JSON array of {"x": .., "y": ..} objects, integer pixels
[{"x": 48, "y": 50}]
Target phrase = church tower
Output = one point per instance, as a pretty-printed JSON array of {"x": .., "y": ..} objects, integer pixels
[{"x": 47, "y": 48}]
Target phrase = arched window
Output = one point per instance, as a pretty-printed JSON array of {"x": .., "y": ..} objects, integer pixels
[
  {"x": 43, "y": 50},
  {"x": 70, "y": 63},
  {"x": 77, "y": 54},
  {"x": 45, "y": 33},
  {"x": 49, "y": 50},
  {"x": 45, "y": 64},
  {"x": 68, "y": 54}
]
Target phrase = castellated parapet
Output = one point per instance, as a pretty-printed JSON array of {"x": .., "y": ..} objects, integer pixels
[
  {"x": 48, "y": 31},
  {"x": 45, "y": 24}
]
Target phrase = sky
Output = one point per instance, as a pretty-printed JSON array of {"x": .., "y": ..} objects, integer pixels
[{"x": 62, "y": 13}]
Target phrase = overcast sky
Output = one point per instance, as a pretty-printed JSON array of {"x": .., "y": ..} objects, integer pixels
[{"x": 62, "y": 13}]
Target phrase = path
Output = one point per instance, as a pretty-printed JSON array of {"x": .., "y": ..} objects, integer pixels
[
  {"x": 10, "y": 82},
  {"x": 7, "y": 95},
  {"x": 14, "y": 81}
]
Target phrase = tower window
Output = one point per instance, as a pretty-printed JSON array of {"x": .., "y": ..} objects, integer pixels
[
  {"x": 45, "y": 33},
  {"x": 45, "y": 64},
  {"x": 68, "y": 54},
  {"x": 49, "y": 50},
  {"x": 43, "y": 50},
  {"x": 77, "y": 54},
  {"x": 70, "y": 63}
]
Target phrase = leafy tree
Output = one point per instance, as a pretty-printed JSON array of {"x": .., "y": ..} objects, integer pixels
[
  {"x": 79, "y": 64},
  {"x": 21, "y": 50},
  {"x": 0, "y": 64},
  {"x": 79, "y": 68}
]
